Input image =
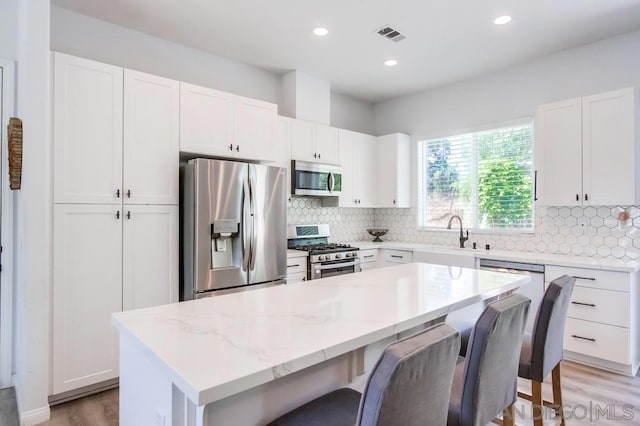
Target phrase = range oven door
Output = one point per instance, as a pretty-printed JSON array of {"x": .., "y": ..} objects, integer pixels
[
  {"x": 316, "y": 179},
  {"x": 334, "y": 267}
]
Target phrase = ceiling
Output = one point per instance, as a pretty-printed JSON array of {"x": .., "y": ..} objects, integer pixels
[{"x": 447, "y": 40}]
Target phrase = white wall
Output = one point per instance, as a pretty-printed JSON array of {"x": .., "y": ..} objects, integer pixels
[
  {"x": 91, "y": 38},
  {"x": 515, "y": 92},
  {"x": 33, "y": 214},
  {"x": 351, "y": 113},
  {"x": 8, "y": 29}
]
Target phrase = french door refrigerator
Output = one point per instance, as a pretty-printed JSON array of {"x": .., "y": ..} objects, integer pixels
[{"x": 234, "y": 227}]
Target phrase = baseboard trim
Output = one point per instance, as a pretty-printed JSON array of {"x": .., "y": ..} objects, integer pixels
[
  {"x": 34, "y": 417},
  {"x": 83, "y": 391},
  {"x": 614, "y": 367}
]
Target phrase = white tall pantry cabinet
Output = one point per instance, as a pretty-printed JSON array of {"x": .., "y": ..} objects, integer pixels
[{"x": 115, "y": 225}]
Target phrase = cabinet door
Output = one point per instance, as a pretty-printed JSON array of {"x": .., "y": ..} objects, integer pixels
[
  {"x": 254, "y": 129},
  {"x": 151, "y": 139},
  {"x": 347, "y": 196},
  {"x": 87, "y": 131},
  {"x": 206, "y": 121},
  {"x": 302, "y": 141},
  {"x": 327, "y": 144},
  {"x": 558, "y": 154},
  {"x": 393, "y": 171},
  {"x": 150, "y": 256},
  {"x": 365, "y": 170},
  {"x": 283, "y": 145},
  {"x": 610, "y": 148},
  {"x": 87, "y": 289}
]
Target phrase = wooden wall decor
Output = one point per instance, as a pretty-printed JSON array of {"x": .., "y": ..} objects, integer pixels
[{"x": 15, "y": 152}]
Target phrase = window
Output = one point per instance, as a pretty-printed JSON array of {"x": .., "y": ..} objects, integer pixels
[{"x": 483, "y": 177}]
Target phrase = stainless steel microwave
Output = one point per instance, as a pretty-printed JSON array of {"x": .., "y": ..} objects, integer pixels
[{"x": 315, "y": 179}]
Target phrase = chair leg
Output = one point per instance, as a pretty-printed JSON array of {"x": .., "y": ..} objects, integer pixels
[
  {"x": 536, "y": 402},
  {"x": 507, "y": 416},
  {"x": 557, "y": 393}
]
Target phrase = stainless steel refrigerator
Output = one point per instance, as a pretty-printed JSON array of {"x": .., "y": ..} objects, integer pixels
[{"x": 234, "y": 227}]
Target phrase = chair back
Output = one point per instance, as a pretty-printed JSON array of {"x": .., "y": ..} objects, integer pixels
[
  {"x": 548, "y": 332},
  {"x": 411, "y": 382},
  {"x": 491, "y": 368}
]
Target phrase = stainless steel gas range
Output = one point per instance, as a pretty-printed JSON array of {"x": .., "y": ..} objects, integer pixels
[{"x": 325, "y": 259}]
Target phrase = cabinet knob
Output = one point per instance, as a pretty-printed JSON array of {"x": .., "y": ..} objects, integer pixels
[
  {"x": 128, "y": 193},
  {"x": 237, "y": 148},
  {"x": 577, "y": 197},
  {"x": 318, "y": 155},
  {"x": 586, "y": 197},
  {"x": 118, "y": 214},
  {"x": 129, "y": 214},
  {"x": 117, "y": 193},
  {"x": 230, "y": 147},
  {"x": 394, "y": 201},
  {"x": 315, "y": 155}
]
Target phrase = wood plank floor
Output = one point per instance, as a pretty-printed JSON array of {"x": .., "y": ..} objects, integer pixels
[{"x": 584, "y": 389}]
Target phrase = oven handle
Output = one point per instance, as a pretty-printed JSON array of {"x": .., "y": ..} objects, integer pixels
[{"x": 322, "y": 267}]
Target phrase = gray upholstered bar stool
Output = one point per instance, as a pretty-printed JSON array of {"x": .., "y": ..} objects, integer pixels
[
  {"x": 408, "y": 386},
  {"x": 485, "y": 381},
  {"x": 542, "y": 352}
]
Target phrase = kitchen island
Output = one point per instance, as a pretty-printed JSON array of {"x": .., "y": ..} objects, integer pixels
[{"x": 245, "y": 358}]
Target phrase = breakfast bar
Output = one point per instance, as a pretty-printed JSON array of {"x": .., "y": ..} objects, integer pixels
[{"x": 245, "y": 358}]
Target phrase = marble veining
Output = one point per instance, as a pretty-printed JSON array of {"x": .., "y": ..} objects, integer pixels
[{"x": 218, "y": 346}]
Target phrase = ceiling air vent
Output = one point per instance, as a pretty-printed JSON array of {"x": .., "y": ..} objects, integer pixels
[{"x": 391, "y": 34}]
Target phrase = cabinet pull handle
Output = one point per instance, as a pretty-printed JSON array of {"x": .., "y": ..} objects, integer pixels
[
  {"x": 396, "y": 256},
  {"x": 293, "y": 266},
  {"x": 129, "y": 214},
  {"x": 368, "y": 256},
  {"x": 237, "y": 148},
  {"x": 583, "y": 338},
  {"x": 577, "y": 197},
  {"x": 230, "y": 147},
  {"x": 318, "y": 156},
  {"x": 128, "y": 193},
  {"x": 117, "y": 193},
  {"x": 315, "y": 155},
  {"x": 394, "y": 201},
  {"x": 535, "y": 185},
  {"x": 584, "y": 304},
  {"x": 583, "y": 278},
  {"x": 586, "y": 197},
  {"x": 304, "y": 278},
  {"x": 118, "y": 214}
]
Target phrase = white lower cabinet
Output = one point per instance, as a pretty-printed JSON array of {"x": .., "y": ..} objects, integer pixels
[
  {"x": 87, "y": 289},
  {"x": 603, "y": 327},
  {"x": 105, "y": 258},
  {"x": 296, "y": 269},
  {"x": 368, "y": 259},
  {"x": 150, "y": 256},
  {"x": 390, "y": 257}
]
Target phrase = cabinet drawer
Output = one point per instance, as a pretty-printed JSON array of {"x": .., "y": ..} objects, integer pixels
[
  {"x": 603, "y": 306},
  {"x": 368, "y": 256},
  {"x": 597, "y": 340},
  {"x": 298, "y": 277},
  {"x": 595, "y": 278},
  {"x": 369, "y": 265},
  {"x": 396, "y": 256},
  {"x": 296, "y": 265}
]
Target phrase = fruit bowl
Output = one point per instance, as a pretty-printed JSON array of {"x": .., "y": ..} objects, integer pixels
[{"x": 377, "y": 233}]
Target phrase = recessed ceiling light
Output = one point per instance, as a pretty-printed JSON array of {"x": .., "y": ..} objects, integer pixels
[
  {"x": 321, "y": 31},
  {"x": 391, "y": 62},
  {"x": 501, "y": 20}
]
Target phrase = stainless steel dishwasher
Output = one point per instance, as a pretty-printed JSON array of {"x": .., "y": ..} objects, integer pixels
[{"x": 534, "y": 290}]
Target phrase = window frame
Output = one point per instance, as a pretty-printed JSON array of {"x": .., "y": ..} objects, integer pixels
[{"x": 422, "y": 172}]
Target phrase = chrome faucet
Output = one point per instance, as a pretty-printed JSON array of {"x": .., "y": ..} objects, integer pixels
[{"x": 462, "y": 237}]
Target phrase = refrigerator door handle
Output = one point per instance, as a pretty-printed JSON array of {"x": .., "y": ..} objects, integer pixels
[
  {"x": 246, "y": 205},
  {"x": 254, "y": 225}
]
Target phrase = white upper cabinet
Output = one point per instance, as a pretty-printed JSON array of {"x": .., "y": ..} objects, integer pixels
[
  {"x": 220, "y": 124},
  {"x": 393, "y": 171},
  {"x": 206, "y": 121},
  {"x": 587, "y": 151},
  {"x": 87, "y": 289},
  {"x": 358, "y": 156},
  {"x": 314, "y": 142},
  {"x": 87, "y": 131},
  {"x": 151, "y": 139},
  {"x": 283, "y": 146},
  {"x": 254, "y": 129},
  {"x": 611, "y": 148},
  {"x": 558, "y": 153},
  {"x": 150, "y": 256}
]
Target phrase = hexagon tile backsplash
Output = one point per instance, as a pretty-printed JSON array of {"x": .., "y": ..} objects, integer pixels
[
  {"x": 582, "y": 231},
  {"x": 346, "y": 224}
]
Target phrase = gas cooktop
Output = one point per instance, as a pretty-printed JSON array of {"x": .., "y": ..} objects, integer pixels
[{"x": 325, "y": 248}]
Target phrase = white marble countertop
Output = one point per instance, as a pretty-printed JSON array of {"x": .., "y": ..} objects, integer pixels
[
  {"x": 296, "y": 253},
  {"x": 510, "y": 255},
  {"x": 218, "y": 346}
]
